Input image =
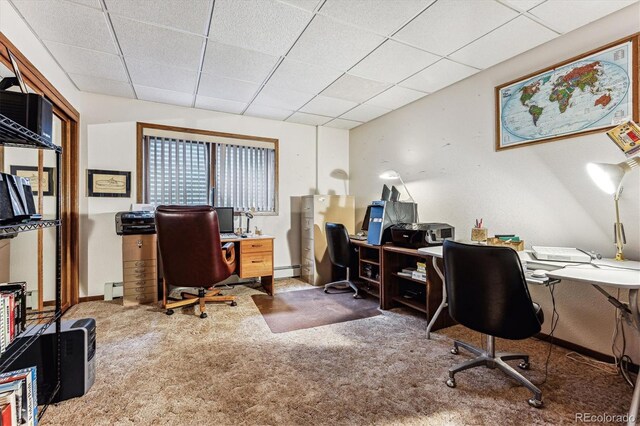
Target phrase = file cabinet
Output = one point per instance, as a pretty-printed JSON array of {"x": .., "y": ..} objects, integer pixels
[
  {"x": 316, "y": 210},
  {"x": 139, "y": 269}
]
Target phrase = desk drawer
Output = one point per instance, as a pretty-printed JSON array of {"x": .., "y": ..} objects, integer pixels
[
  {"x": 256, "y": 265},
  {"x": 306, "y": 227},
  {"x": 140, "y": 287},
  {"x": 136, "y": 274},
  {"x": 256, "y": 246},
  {"x": 138, "y": 247},
  {"x": 307, "y": 207},
  {"x": 151, "y": 263},
  {"x": 137, "y": 299}
]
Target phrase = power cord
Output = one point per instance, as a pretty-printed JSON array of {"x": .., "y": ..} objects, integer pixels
[{"x": 555, "y": 318}]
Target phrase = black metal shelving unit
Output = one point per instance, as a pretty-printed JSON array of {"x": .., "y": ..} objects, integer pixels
[{"x": 15, "y": 135}]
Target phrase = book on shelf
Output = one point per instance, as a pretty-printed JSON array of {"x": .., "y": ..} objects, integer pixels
[
  {"x": 8, "y": 402},
  {"x": 26, "y": 396},
  {"x": 420, "y": 276},
  {"x": 421, "y": 267},
  {"x": 13, "y": 312}
]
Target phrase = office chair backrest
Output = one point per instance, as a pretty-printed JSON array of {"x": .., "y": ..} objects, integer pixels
[
  {"x": 338, "y": 244},
  {"x": 189, "y": 243},
  {"x": 487, "y": 290}
]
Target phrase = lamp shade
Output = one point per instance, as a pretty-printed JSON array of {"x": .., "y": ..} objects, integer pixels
[
  {"x": 389, "y": 175},
  {"x": 606, "y": 176},
  {"x": 609, "y": 177}
]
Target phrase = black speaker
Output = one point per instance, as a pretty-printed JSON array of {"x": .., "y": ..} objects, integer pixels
[
  {"x": 29, "y": 110},
  {"x": 77, "y": 365},
  {"x": 16, "y": 199}
]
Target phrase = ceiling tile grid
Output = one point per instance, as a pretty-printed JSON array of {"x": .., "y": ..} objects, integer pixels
[{"x": 337, "y": 63}]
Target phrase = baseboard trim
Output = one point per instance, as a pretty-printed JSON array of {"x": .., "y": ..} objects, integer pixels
[
  {"x": 582, "y": 350},
  {"x": 80, "y": 300}
]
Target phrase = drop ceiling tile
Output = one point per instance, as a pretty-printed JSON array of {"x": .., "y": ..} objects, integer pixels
[
  {"x": 151, "y": 74},
  {"x": 263, "y": 25},
  {"x": 100, "y": 85},
  {"x": 308, "y": 5},
  {"x": 448, "y": 25},
  {"x": 192, "y": 17},
  {"x": 441, "y": 74},
  {"x": 332, "y": 44},
  {"x": 379, "y": 16},
  {"x": 353, "y": 88},
  {"x": 154, "y": 94},
  {"x": 234, "y": 62},
  {"x": 282, "y": 98},
  {"x": 150, "y": 43},
  {"x": 343, "y": 124},
  {"x": 68, "y": 23},
  {"x": 393, "y": 62},
  {"x": 226, "y": 88},
  {"x": 220, "y": 105},
  {"x": 395, "y": 97},
  {"x": 523, "y": 4},
  {"x": 310, "y": 119},
  {"x": 77, "y": 60},
  {"x": 331, "y": 107},
  {"x": 307, "y": 78},
  {"x": 365, "y": 113},
  {"x": 90, "y": 3},
  {"x": 517, "y": 36},
  {"x": 567, "y": 15},
  {"x": 267, "y": 112}
]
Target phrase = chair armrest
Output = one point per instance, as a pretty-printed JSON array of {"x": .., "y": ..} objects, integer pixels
[{"x": 229, "y": 252}]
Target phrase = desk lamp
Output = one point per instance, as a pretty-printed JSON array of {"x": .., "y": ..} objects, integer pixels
[
  {"x": 393, "y": 175},
  {"x": 609, "y": 177}
]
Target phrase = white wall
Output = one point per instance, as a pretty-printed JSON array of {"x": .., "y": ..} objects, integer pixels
[
  {"x": 443, "y": 145},
  {"x": 109, "y": 142}
]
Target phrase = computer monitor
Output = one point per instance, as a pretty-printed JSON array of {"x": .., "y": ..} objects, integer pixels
[
  {"x": 365, "y": 222},
  {"x": 386, "y": 193},
  {"x": 225, "y": 219},
  {"x": 395, "y": 194}
]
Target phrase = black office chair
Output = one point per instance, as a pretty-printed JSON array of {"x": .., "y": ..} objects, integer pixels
[
  {"x": 339, "y": 249},
  {"x": 487, "y": 292}
]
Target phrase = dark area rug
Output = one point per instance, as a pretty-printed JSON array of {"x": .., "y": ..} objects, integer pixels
[{"x": 298, "y": 310}]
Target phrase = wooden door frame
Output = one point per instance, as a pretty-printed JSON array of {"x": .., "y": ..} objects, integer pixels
[{"x": 70, "y": 118}]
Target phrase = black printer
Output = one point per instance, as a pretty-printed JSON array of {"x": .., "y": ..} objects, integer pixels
[
  {"x": 416, "y": 235},
  {"x": 136, "y": 222}
]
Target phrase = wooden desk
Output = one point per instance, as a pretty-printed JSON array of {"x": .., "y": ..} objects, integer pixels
[
  {"x": 399, "y": 290},
  {"x": 254, "y": 259},
  {"x": 367, "y": 265}
]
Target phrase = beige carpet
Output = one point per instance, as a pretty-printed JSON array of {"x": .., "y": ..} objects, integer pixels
[{"x": 230, "y": 369}]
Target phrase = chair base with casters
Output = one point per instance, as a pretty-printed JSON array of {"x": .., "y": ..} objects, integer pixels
[
  {"x": 343, "y": 285},
  {"x": 491, "y": 359},
  {"x": 201, "y": 299}
]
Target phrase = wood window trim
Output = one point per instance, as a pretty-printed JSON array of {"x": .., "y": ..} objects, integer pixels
[
  {"x": 70, "y": 118},
  {"x": 140, "y": 169}
]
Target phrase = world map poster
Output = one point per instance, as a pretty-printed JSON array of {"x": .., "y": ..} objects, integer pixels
[{"x": 593, "y": 92}]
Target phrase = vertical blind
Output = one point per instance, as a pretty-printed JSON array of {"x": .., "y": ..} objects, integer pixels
[
  {"x": 179, "y": 172},
  {"x": 245, "y": 177}
]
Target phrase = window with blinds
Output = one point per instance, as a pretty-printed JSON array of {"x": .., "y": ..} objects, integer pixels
[{"x": 180, "y": 171}]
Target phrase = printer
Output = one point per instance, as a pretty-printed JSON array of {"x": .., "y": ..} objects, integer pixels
[
  {"x": 416, "y": 235},
  {"x": 135, "y": 222}
]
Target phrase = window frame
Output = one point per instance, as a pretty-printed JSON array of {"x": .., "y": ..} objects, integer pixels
[{"x": 141, "y": 168}]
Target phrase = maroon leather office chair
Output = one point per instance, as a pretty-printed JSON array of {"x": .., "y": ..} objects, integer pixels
[{"x": 192, "y": 256}]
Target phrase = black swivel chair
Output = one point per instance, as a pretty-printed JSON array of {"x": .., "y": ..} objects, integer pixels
[
  {"x": 488, "y": 293},
  {"x": 339, "y": 249}
]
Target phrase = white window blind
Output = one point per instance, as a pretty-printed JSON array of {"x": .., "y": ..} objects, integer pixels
[
  {"x": 245, "y": 177},
  {"x": 178, "y": 171}
]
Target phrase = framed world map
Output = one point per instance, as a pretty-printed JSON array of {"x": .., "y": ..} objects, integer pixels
[{"x": 586, "y": 94}]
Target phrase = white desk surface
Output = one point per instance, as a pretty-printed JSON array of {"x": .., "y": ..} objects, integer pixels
[{"x": 607, "y": 273}]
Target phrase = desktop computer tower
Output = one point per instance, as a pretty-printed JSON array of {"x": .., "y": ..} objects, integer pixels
[
  {"x": 77, "y": 358},
  {"x": 383, "y": 214}
]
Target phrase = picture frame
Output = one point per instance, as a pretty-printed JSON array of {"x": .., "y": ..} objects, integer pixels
[
  {"x": 31, "y": 172},
  {"x": 588, "y": 93},
  {"x": 108, "y": 183}
]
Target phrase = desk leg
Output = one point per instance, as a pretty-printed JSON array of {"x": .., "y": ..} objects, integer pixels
[
  {"x": 267, "y": 284},
  {"x": 634, "y": 410},
  {"x": 443, "y": 304}
]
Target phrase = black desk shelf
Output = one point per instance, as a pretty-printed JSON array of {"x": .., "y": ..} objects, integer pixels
[{"x": 14, "y": 135}]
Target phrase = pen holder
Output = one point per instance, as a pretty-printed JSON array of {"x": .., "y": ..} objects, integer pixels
[{"x": 479, "y": 234}]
